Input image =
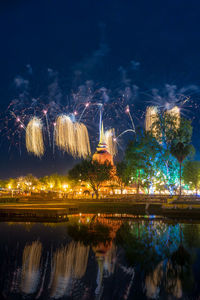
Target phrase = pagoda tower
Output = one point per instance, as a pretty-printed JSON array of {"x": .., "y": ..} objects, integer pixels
[{"x": 102, "y": 155}]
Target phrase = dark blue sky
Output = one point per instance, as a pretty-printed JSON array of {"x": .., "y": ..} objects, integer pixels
[{"x": 116, "y": 44}]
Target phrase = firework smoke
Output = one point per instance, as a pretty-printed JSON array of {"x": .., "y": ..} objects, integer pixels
[
  {"x": 34, "y": 137},
  {"x": 72, "y": 137}
]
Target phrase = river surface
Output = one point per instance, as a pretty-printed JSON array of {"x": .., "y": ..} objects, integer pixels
[{"x": 100, "y": 257}]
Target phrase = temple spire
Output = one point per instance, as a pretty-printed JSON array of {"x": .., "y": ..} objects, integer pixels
[{"x": 102, "y": 135}]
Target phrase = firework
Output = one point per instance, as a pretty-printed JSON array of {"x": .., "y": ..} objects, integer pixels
[
  {"x": 34, "y": 137},
  {"x": 110, "y": 140},
  {"x": 129, "y": 114},
  {"x": 85, "y": 101},
  {"x": 175, "y": 113},
  {"x": 72, "y": 137},
  {"x": 47, "y": 124},
  {"x": 64, "y": 134},
  {"x": 150, "y": 119},
  {"x": 82, "y": 140}
]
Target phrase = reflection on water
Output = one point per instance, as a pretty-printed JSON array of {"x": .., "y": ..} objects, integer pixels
[
  {"x": 106, "y": 259},
  {"x": 100, "y": 257},
  {"x": 170, "y": 281},
  {"x": 153, "y": 280},
  {"x": 68, "y": 262},
  {"x": 30, "y": 267}
]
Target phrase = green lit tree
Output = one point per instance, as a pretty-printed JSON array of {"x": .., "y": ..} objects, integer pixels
[
  {"x": 92, "y": 172},
  {"x": 142, "y": 157},
  {"x": 191, "y": 174},
  {"x": 175, "y": 137}
]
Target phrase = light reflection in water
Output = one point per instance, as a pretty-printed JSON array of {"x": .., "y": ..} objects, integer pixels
[
  {"x": 153, "y": 280},
  {"x": 106, "y": 259},
  {"x": 164, "y": 272},
  {"x": 102, "y": 259},
  {"x": 30, "y": 267},
  {"x": 68, "y": 262}
]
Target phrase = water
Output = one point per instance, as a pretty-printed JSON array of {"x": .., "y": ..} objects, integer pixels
[{"x": 99, "y": 257}]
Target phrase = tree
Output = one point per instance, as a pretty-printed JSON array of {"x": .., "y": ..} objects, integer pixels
[
  {"x": 54, "y": 181},
  {"x": 175, "y": 134},
  {"x": 191, "y": 174},
  {"x": 123, "y": 175},
  {"x": 142, "y": 159},
  {"x": 181, "y": 151},
  {"x": 12, "y": 183},
  {"x": 92, "y": 172},
  {"x": 3, "y": 183},
  {"x": 31, "y": 180},
  {"x": 168, "y": 130}
]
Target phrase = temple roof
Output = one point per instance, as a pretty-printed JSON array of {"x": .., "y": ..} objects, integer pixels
[{"x": 102, "y": 154}]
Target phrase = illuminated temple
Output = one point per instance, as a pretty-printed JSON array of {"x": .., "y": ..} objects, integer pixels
[{"x": 102, "y": 155}]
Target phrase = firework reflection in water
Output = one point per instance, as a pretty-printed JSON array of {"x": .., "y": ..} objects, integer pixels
[
  {"x": 69, "y": 263},
  {"x": 30, "y": 267}
]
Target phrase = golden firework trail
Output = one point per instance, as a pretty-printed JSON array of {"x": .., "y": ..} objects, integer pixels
[
  {"x": 72, "y": 137},
  {"x": 34, "y": 137},
  {"x": 82, "y": 140},
  {"x": 175, "y": 113},
  {"x": 150, "y": 118},
  {"x": 110, "y": 140}
]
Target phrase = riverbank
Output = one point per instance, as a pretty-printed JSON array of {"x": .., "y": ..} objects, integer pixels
[{"x": 31, "y": 209}]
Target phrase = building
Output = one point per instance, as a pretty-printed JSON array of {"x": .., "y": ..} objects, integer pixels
[{"x": 102, "y": 155}]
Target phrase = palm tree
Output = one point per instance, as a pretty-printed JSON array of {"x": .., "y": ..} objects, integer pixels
[{"x": 180, "y": 151}]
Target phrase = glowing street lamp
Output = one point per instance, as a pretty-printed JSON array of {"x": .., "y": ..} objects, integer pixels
[{"x": 65, "y": 186}]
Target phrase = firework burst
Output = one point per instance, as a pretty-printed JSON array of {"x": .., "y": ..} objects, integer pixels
[
  {"x": 34, "y": 137},
  {"x": 110, "y": 140},
  {"x": 151, "y": 117},
  {"x": 72, "y": 137}
]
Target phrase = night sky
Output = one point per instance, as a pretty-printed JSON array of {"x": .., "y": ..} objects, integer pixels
[{"x": 50, "y": 48}]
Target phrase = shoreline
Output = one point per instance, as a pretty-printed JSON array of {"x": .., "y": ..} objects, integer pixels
[{"x": 59, "y": 209}]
